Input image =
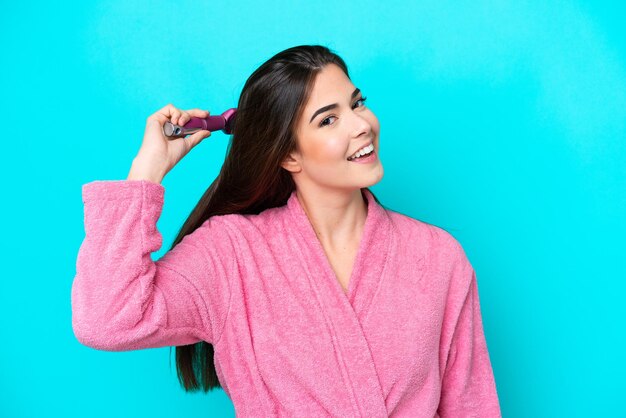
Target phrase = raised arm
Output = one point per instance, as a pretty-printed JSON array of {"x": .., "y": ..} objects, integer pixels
[{"x": 121, "y": 299}]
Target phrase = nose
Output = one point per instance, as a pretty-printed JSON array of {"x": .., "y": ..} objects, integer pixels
[{"x": 361, "y": 125}]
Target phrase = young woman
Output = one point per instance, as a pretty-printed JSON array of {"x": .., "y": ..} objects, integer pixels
[{"x": 290, "y": 286}]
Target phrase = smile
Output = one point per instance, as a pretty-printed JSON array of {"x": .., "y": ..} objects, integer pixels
[{"x": 363, "y": 151}]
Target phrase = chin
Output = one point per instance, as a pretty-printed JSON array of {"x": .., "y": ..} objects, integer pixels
[
  {"x": 379, "y": 174},
  {"x": 375, "y": 179}
]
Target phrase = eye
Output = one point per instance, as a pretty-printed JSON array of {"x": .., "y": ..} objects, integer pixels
[
  {"x": 325, "y": 119},
  {"x": 362, "y": 99}
]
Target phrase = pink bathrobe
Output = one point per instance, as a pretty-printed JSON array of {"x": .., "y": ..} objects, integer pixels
[{"x": 405, "y": 340}]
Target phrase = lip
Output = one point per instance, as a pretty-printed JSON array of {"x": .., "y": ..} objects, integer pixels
[
  {"x": 363, "y": 146},
  {"x": 369, "y": 159}
]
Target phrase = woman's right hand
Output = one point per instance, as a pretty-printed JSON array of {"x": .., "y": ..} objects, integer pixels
[{"x": 158, "y": 154}]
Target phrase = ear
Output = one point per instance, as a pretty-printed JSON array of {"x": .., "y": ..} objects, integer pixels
[{"x": 292, "y": 163}]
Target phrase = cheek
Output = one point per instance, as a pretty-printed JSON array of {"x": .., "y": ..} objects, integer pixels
[{"x": 329, "y": 150}]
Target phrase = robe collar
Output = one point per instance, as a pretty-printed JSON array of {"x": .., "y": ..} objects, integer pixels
[
  {"x": 344, "y": 312},
  {"x": 371, "y": 255}
]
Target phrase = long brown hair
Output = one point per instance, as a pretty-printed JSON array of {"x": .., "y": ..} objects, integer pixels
[{"x": 252, "y": 178}]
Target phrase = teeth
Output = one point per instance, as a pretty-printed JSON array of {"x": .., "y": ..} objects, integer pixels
[{"x": 362, "y": 151}]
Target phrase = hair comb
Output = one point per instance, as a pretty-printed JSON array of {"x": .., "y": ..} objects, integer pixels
[{"x": 223, "y": 122}]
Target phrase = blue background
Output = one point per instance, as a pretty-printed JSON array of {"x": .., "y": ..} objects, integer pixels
[{"x": 502, "y": 122}]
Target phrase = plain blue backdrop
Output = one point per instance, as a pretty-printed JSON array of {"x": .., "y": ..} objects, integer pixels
[{"x": 502, "y": 122}]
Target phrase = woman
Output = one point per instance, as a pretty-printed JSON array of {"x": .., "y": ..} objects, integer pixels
[{"x": 289, "y": 282}]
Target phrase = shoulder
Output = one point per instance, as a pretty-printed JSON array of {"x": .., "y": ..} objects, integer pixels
[
  {"x": 247, "y": 224},
  {"x": 442, "y": 245}
]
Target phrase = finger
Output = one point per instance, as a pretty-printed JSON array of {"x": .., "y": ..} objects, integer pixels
[
  {"x": 171, "y": 112},
  {"x": 198, "y": 113},
  {"x": 197, "y": 137},
  {"x": 187, "y": 115},
  {"x": 167, "y": 110},
  {"x": 184, "y": 118},
  {"x": 176, "y": 114}
]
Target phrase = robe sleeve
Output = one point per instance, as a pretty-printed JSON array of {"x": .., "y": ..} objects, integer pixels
[
  {"x": 123, "y": 300},
  {"x": 468, "y": 386}
]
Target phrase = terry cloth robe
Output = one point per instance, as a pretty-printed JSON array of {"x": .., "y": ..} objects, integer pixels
[{"x": 405, "y": 340}]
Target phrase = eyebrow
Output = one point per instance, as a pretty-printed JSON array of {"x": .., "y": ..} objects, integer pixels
[{"x": 332, "y": 106}]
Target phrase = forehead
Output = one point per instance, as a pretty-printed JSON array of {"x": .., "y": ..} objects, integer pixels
[{"x": 331, "y": 86}]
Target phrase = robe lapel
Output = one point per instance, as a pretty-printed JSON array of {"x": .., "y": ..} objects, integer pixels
[{"x": 344, "y": 311}]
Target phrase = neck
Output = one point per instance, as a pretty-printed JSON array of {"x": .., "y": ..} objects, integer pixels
[{"x": 336, "y": 217}]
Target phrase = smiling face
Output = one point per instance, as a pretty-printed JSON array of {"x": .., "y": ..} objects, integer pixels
[{"x": 328, "y": 137}]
